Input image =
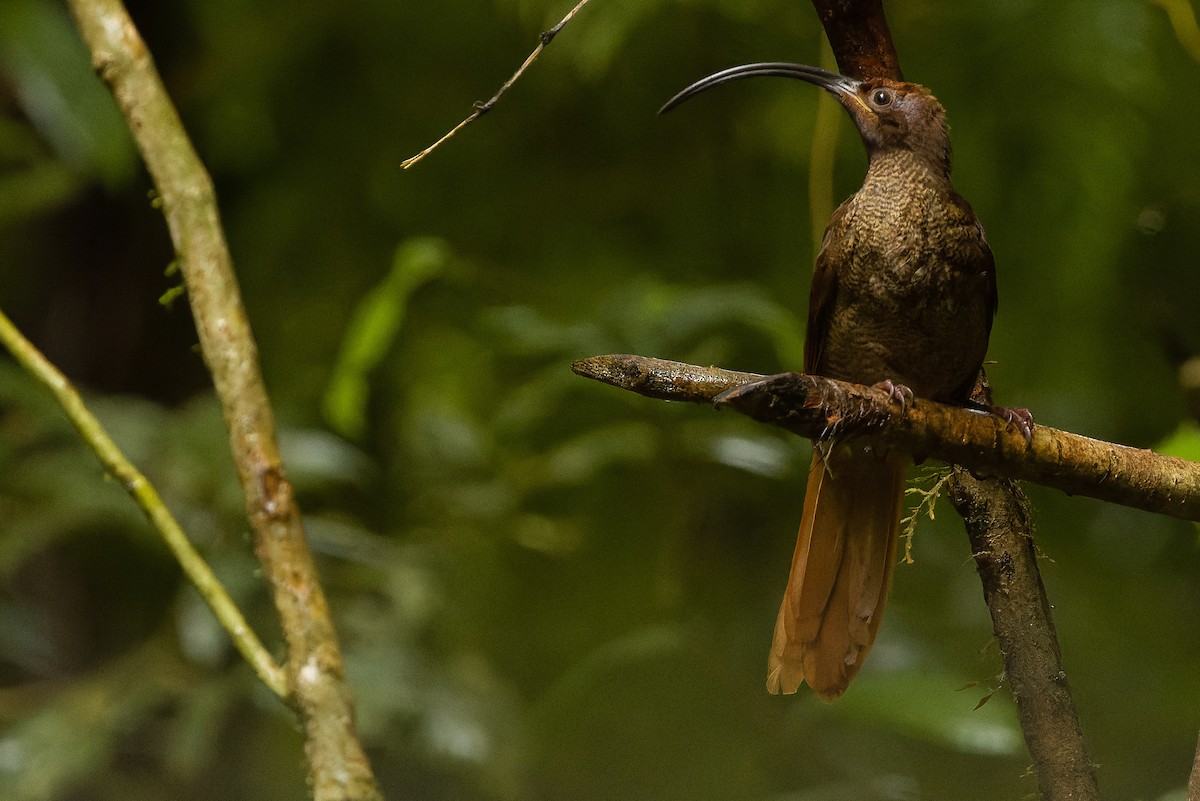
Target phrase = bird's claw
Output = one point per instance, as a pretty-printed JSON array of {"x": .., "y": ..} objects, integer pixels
[
  {"x": 1021, "y": 419},
  {"x": 898, "y": 393}
]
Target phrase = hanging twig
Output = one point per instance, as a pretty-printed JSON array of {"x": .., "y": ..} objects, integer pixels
[{"x": 544, "y": 39}]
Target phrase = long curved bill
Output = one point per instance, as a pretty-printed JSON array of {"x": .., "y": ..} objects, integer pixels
[{"x": 830, "y": 81}]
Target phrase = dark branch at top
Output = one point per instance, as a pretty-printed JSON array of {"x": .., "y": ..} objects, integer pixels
[{"x": 859, "y": 36}]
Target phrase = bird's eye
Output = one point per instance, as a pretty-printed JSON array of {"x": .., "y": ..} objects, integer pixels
[{"x": 881, "y": 97}]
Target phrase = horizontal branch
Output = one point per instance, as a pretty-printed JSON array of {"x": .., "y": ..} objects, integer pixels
[{"x": 817, "y": 407}]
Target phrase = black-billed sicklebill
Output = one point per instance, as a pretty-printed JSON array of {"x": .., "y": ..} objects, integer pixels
[{"x": 903, "y": 297}]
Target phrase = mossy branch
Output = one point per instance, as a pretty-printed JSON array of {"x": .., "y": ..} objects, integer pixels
[{"x": 817, "y": 407}]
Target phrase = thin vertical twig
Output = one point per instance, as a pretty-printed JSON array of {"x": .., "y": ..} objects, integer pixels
[{"x": 338, "y": 766}]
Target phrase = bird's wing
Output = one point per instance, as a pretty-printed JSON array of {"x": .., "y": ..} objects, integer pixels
[
  {"x": 975, "y": 254},
  {"x": 824, "y": 289}
]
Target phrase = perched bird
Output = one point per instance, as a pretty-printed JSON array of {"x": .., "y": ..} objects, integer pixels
[{"x": 903, "y": 296}]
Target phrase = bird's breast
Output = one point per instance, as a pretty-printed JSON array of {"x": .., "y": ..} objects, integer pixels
[{"x": 910, "y": 306}]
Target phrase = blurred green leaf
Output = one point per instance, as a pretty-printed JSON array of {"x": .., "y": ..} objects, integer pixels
[
  {"x": 1184, "y": 442},
  {"x": 373, "y": 328},
  {"x": 50, "y": 72}
]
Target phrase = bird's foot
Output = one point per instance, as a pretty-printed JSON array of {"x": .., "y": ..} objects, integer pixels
[
  {"x": 896, "y": 392},
  {"x": 1021, "y": 419}
]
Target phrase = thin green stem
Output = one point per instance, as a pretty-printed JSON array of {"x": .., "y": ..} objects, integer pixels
[
  {"x": 1183, "y": 21},
  {"x": 137, "y": 485}
]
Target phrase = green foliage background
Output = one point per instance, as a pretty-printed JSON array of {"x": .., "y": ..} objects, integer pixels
[{"x": 546, "y": 588}]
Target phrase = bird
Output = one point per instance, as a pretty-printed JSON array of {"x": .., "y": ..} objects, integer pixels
[{"x": 903, "y": 297}]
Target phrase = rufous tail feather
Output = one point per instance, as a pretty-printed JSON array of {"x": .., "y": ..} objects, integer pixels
[{"x": 841, "y": 572}]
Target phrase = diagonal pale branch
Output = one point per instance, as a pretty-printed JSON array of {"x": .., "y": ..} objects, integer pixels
[
  {"x": 143, "y": 493},
  {"x": 338, "y": 766},
  {"x": 813, "y": 406}
]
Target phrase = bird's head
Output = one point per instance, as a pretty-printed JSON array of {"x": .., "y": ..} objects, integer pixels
[{"x": 889, "y": 114}]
